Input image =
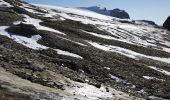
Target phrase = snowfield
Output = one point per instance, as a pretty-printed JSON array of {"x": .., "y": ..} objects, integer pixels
[{"x": 76, "y": 11}]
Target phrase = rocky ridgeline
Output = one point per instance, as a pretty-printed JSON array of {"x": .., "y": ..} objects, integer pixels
[{"x": 118, "y": 13}]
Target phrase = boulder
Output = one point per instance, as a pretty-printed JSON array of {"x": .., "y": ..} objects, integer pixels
[{"x": 23, "y": 29}]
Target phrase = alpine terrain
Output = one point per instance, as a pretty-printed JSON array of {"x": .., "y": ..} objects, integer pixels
[
  {"x": 114, "y": 13},
  {"x": 57, "y": 53}
]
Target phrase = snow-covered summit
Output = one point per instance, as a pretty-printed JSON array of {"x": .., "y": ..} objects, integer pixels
[{"x": 98, "y": 9}]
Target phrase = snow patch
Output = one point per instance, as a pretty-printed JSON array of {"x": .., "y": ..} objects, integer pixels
[
  {"x": 28, "y": 42},
  {"x": 61, "y": 52},
  {"x": 116, "y": 78},
  {"x": 128, "y": 27},
  {"x": 127, "y": 52},
  {"x": 99, "y": 35},
  {"x": 152, "y": 78},
  {"x": 72, "y": 41},
  {"x": 4, "y": 4},
  {"x": 166, "y": 49},
  {"x": 119, "y": 50},
  {"x": 36, "y": 23},
  {"x": 91, "y": 92},
  {"x": 160, "y": 70},
  {"x": 107, "y": 68}
]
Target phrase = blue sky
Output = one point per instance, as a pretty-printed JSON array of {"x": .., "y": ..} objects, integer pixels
[{"x": 155, "y": 10}]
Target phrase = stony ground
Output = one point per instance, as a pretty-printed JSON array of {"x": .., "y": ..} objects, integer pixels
[{"x": 65, "y": 64}]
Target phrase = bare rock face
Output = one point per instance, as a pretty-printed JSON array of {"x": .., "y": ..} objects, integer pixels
[
  {"x": 167, "y": 23},
  {"x": 119, "y": 13}
]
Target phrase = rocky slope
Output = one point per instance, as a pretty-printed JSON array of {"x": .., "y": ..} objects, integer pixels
[{"x": 58, "y": 53}]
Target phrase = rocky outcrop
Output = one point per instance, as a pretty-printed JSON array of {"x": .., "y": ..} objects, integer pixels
[
  {"x": 23, "y": 29},
  {"x": 167, "y": 23},
  {"x": 119, "y": 13}
]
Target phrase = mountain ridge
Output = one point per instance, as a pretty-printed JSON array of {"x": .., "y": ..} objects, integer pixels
[{"x": 103, "y": 10}]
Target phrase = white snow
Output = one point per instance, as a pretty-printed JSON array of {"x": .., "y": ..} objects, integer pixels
[
  {"x": 106, "y": 37},
  {"x": 160, "y": 70},
  {"x": 127, "y": 52},
  {"x": 35, "y": 22},
  {"x": 131, "y": 33},
  {"x": 3, "y": 3},
  {"x": 151, "y": 78},
  {"x": 72, "y": 41},
  {"x": 166, "y": 49},
  {"x": 76, "y": 11},
  {"x": 61, "y": 52},
  {"x": 119, "y": 50},
  {"x": 128, "y": 27},
  {"x": 148, "y": 77},
  {"x": 167, "y": 43},
  {"x": 100, "y": 35},
  {"x": 107, "y": 68},
  {"x": 116, "y": 78},
  {"x": 29, "y": 42},
  {"x": 91, "y": 92}
]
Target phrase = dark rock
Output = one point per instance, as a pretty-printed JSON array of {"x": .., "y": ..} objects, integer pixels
[
  {"x": 167, "y": 23},
  {"x": 119, "y": 13},
  {"x": 23, "y": 29},
  {"x": 149, "y": 22},
  {"x": 107, "y": 89},
  {"x": 8, "y": 16}
]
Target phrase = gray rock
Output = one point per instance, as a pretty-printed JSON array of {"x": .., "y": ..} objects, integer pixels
[
  {"x": 119, "y": 13},
  {"x": 167, "y": 23}
]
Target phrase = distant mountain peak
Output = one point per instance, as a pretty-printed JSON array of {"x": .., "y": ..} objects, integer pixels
[
  {"x": 119, "y": 13},
  {"x": 118, "y": 10},
  {"x": 101, "y": 7},
  {"x": 98, "y": 9},
  {"x": 114, "y": 13}
]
